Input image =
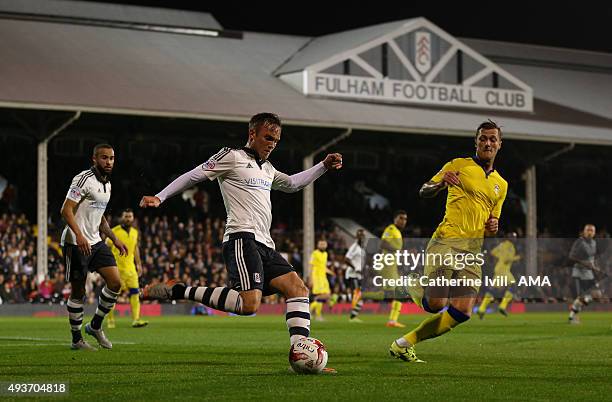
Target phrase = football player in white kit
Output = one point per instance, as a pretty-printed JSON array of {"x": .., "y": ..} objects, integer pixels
[
  {"x": 84, "y": 250},
  {"x": 254, "y": 267},
  {"x": 354, "y": 259}
]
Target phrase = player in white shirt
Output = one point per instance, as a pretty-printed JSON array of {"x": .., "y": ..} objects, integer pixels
[
  {"x": 355, "y": 258},
  {"x": 254, "y": 267},
  {"x": 83, "y": 248}
]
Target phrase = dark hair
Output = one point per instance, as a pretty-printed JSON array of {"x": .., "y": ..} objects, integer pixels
[
  {"x": 264, "y": 119},
  {"x": 101, "y": 146},
  {"x": 489, "y": 125},
  {"x": 399, "y": 212},
  {"x": 127, "y": 211}
]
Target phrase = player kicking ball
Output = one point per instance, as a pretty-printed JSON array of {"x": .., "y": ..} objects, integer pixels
[{"x": 254, "y": 267}]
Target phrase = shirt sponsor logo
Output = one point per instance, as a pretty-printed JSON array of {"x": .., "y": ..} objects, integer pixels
[
  {"x": 98, "y": 204},
  {"x": 257, "y": 182}
]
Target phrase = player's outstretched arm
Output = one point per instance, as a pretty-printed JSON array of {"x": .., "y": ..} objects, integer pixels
[
  {"x": 180, "y": 184},
  {"x": 296, "y": 182}
]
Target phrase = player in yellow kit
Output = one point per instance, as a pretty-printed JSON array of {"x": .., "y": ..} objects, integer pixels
[
  {"x": 476, "y": 193},
  {"x": 129, "y": 266},
  {"x": 506, "y": 255},
  {"x": 392, "y": 241},
  {"x": 319, "y": 285}
]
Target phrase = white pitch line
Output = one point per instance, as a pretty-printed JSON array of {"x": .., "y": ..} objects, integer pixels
[
  {"x": 25, "y": 338},
  {"x": 34, "y": 344}
]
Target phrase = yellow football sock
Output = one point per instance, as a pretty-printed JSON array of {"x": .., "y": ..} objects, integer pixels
[
  {"x": 319, "y": 309},
  {"x": 111, "y": 315},
  {"x": 135, "y": 304},
  {"x": 434, "y": 326},
  {"x": 488, "y": 298},
  {"x": 396, "y": 308},
  {"x": 398, "y": 311},
  {"x": 506, "y": 300},
  {"x": 316, "y": 307}
]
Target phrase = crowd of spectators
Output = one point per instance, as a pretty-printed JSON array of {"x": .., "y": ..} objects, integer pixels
[
  {"x": 190, "y": 250},
  {"x": 18, "y": 279}
]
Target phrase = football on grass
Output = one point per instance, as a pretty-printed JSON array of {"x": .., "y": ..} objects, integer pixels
[{"x": 308, "y": 356}]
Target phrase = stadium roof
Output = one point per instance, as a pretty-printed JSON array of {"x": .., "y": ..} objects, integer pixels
[
  {"x": 63, "y": 66},
  {"x": 111, "y": 12},
  {"x": 318, "y": 49}
]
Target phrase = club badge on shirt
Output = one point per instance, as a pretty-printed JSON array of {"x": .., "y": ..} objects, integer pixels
[
  {"x": 209, "y": 164},
  {"x": 75, "y": 192}
]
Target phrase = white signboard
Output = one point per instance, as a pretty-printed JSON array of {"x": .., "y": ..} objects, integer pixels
[{"x": 413, "y": 92}]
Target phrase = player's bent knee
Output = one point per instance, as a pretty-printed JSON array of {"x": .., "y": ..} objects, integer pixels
[
  {"x": 114, "y": 286},
  {"x": 297, "y": 287},
  {"x": 300, "y": 290},
  {"x": 249, "y": 308},
  {"x": 251, "y": 299},
  {"x": 434, "y": 305}
]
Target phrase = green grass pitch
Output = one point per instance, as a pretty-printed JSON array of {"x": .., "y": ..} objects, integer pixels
[{"x": 523, "y": 357}]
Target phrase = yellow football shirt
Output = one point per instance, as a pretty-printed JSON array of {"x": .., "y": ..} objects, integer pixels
[
  {"x": 130, "y": 239},
  {"x": 393, "y": 238},
  {"x": 469, "y": 205},
  {"x": 505, "y": 252},
  {"x": 318, "y": 265},
  {"x": 393, "y": 241}
]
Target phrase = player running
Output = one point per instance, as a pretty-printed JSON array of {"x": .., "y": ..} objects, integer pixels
[
  {"x": 317, "y": 282},
  {"x": 392, "y": 241},
  {"x": 354, "y": 259},
  {"x": 254, "y": 267},
  {"x": 83, "y": 248},
  {"x": 584, "y": 272},
  {"x": 506, "y": 255},
  {"x": 476, "y": 193},
  {"x": 130, "y": 266}
]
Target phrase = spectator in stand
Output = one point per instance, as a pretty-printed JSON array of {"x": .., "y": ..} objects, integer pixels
[
  {"x": 7, "y": 295},
  {"x": 45, "y": 290}
]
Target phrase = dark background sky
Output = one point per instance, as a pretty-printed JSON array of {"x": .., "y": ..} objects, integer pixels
[{"x": 579, "y": 24}]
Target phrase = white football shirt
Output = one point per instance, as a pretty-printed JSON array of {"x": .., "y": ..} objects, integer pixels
[
  {"x": 245, "y": 183},
  {"x": 92, "y": 197},
  {"x": 356, "y": 254}
]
